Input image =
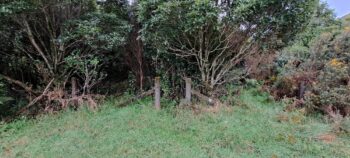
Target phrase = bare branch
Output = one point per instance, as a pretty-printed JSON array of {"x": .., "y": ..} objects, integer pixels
[
  {"x": 36, "y": 46},
  {"x": 20, "y": 84},
  {"x": 37, "y": 98}
]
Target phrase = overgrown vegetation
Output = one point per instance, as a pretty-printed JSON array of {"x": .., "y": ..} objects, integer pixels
[
  {"x": 316, "y": 67},
  {"x": 216, "y": 36},
  {"x": 58, "y": 51},
  {"x": 254, "y": 65},
  {"x": 51, "y": 42}
]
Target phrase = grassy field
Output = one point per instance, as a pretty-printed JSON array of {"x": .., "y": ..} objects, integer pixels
[{"x": 256, "y": 128}]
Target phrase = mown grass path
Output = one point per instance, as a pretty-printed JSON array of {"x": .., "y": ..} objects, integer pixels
[{"x": 252, "y": 130}]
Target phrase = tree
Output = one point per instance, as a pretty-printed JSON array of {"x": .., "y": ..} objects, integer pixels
[
  {"x": 323, "y": 19},
  {"x": 60, "y": 39},
  {"x": 39, "y": 34},
  {"x": 216, "y": 36}
]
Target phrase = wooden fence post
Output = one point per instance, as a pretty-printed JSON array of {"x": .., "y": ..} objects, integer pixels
[
  {"x": 188, "y": 90},
  {"x": 74, "y": 87},
  {"x": 74, "y": 91},
  {"x": 157, "y": 93}
]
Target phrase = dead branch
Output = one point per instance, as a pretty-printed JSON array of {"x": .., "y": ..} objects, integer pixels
[
  {"x": 20, "y": 84},
  {"x": 37, "y": 98}
]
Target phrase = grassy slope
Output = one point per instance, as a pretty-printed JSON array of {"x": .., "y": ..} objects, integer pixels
[{"x": 140, "y": 131}]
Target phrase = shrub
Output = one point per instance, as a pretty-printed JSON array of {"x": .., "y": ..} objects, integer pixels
[
  {"x": 260, "y": 66},
  {"x": 330, "y": 93},
  {"x": 304, "y": 58},
  {"x": 284, "y": 87},
  {"x": 322, "y": 73},
  {"x": 332, "y": 89}
]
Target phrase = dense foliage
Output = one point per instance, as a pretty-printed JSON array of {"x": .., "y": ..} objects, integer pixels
[
  {"x": 216, "y": 36},
  {"x": 331, "y": 87},
  {"x": 53, "y": 41},
  {"x": 65, "y": 53},
  {"x": 316, "y": 66},
  {"x": 195, "y": 78}
]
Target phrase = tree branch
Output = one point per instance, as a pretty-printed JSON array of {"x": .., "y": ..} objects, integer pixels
[
  {"x": 20, "y": 84},
  {"x": 36, "y": 46},
  {"x": 37, "y": 98}
]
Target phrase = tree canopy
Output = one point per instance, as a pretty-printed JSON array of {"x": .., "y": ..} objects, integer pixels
[{"x": 217, "y": 35}]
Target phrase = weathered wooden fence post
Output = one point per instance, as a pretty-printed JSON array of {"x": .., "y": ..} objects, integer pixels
[
  {"x": 74, "y": 87},
  {"x": 188, "y": 90},
  {"x": 157, "y": 93},
  {"x": 74, "y": 91}
]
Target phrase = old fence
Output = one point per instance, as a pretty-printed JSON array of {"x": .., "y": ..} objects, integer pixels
[{"x": 156, "y": 91}]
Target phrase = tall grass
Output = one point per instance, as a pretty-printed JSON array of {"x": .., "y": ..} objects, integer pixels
[{"x": 252, "y": 130}]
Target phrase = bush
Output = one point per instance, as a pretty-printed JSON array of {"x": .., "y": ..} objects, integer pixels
[
  {"x": 284, "y": 87},
  {"x": 260, "y": 66},
  {"x": 330, "y": 93},
  {"x": 330, "y": 90},
  {"x": 299, "y": 64},
  {"x": 322, "y": 73}
]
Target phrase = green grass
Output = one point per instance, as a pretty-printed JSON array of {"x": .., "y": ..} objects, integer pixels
[{"x": 251, "y": 130}]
